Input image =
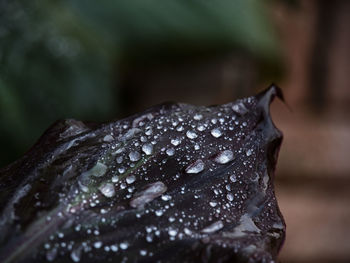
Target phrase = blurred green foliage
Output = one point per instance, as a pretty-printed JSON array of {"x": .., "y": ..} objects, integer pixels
[{"x": 62, "y": 58}]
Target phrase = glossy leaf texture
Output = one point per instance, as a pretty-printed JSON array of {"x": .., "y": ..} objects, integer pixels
[{"x": 176, "y": 183}]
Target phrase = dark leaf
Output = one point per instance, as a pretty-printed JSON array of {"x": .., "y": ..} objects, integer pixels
[{"x": 177, "y": 183}]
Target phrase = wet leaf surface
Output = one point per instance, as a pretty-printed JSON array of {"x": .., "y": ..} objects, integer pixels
[{"x": 176, "y": 183}]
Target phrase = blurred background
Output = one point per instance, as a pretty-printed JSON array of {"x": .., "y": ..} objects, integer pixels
[{"x": 104, "y": 60}]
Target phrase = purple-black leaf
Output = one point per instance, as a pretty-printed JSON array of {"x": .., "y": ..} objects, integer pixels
[{"x": 177, "y": 183}]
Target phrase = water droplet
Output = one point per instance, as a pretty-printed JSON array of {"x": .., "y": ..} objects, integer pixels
[
  {"x": 98, "y": 244},
  {"x": 230, "y": 197},
  {"x": 143, "y": 252},
  {"x": 147, "y": 148},
  {"x": 149, "y": 238},
  {"x": 166, "y": 197},
  {"x": 98, "y": 170},
  {"x": 172, "y": 232},
  {"x": 198, "y": 117},
  {"x": 130, "y": 179},
  {"x": 114, "y": 248},
  {"x": 152, "y": 191},
  {"x": 134, "y": 156},
  {"x": 249, "y": 152},
  {"x": 115, "y": 179},
  {"x": 187, "y": 231},
  {"x": 159, "y": 212},
  {"x": 233, "y": 178},
  {"x": 180, "y": 128},
  {"x": 51, "y": 254},
  {"x": 148, "y": 131},
  {"x": 108, "y": 138},
  {"x": 195, "y": 167},
  {"x": 124, "y": 245},
  {"x": 200, "y": 128},
  {"x": 119, "y": 159},
  {"x": 107, "y": 190},
  {"x": 213, "y": 203},
  {"x": 240, "y": 108},
  {"x": 213, "y": 227},
  {"x": 216, "y": 132},
  {"x": 75, "y": 255},
  {"x": 175, "y": 142},
  {"x": 170, "y": 151},
  {"x": 224, "y": 157},
  {"x": 191, "y": 134}
]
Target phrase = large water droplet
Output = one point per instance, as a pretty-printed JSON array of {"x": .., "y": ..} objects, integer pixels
[
  {"x": 170, "y": 151},
  {"x": 75, "y": 255},
  {"x": 224, "y": 157},
  {"x": 213, "y": 227},
  {"x": 152, "y": 191},
  {"x": 200, "y": 128},
  {"x": 172, "y": 232},
  {"x": 198, "y": 117},
  {"x": 107, "y": 190},
  {"x": 187, "y": 231},
  {"x": 195, "y": 167},
  {"x": 213, "y": 203},
  {"x": 216, "y": 132},
  {"x": 124, "y": 245},
  {"x": 130, "y": 179},
  {"x": 147, "y": 148},
  {"x": 233, "y": 178},
  {"x": 159, "y": 212},
  {"x": 240, "y": 108},
  {"x": 98, "y": 170},
  {"x": 191, "y": 134},
  {"x": 230, "y": 197},
  {"x": 98, "y": 244},
  {"x": 134, "y": 156},
  {"x": 175, "y": 141},
  {"x": 108, "y": 138}
]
